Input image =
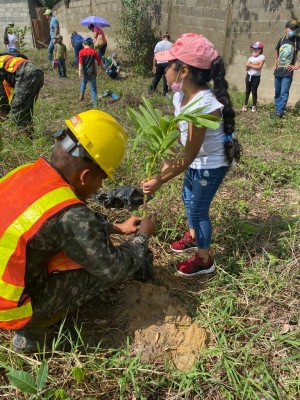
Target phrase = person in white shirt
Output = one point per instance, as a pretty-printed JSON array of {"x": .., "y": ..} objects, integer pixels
[
  {"x": 159, "y": 67},
  {"x": 12, "y": 43},
  {"x": 10, "y": 39},
  {"x": 207, "y": 153},
  {"x": 253, "y": 68}
]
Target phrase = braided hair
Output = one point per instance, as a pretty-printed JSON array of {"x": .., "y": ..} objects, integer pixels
[{"x": 233, "y": 149}]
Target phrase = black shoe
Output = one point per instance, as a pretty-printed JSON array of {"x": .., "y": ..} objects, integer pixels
[
  {"x": 28, "y": 341},
  {"x": 145, "y": 272},
  {"x": 275, "y": 115}
]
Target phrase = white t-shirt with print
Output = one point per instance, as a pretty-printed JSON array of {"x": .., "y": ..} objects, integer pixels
[
  {"x": 255, "y": 72},
  {"x": 212, "y": 153}
]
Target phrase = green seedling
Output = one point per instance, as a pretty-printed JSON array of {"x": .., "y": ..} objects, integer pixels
[{"x": 157, "y": 133}]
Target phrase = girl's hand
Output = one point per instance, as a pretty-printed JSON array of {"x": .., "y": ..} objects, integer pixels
[{"x": 151, "y": 186}]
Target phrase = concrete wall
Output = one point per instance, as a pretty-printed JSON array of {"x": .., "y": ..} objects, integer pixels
[
  {"x": 70, "y": 16},
  {"x": 20, "y": 12}
]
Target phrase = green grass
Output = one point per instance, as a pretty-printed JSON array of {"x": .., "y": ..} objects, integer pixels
[{"x": 250, "y": 307}]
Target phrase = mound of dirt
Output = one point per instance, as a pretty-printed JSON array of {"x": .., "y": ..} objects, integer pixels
[{"x": 158, "y": 325}]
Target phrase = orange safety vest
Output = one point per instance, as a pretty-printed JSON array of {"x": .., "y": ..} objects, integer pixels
[
  {"x": 36, "y": 192},
  {"x": 10, "y": 64}
]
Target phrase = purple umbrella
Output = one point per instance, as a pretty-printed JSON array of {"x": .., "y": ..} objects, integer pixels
[{"x": 97, "y": 21}]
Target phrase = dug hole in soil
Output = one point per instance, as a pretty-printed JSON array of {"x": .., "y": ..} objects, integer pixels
[{"x": 146, "y": 312}]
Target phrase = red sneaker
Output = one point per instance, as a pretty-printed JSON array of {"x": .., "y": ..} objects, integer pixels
[
  {"x": 195, "y": 266},
  {"x": 184, "y": 244}
]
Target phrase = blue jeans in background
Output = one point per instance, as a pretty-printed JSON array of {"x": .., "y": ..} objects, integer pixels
[
  {"x": 62, "y": 72},
  {"x": 282, "y": 89},
  {"x": 199, "y": 188},
  {"x": 12, "y": 50},
  {"x": 50, "y": 50},
  {"x": 77, "y": 48},
  {"x": 93, "y": 86}
]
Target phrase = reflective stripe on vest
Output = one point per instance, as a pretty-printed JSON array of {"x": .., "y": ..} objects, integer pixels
[
  {"x": 49, "y": 193},
  {"x": 9, "y": 90},
  {"x": 11, "y": 63}
]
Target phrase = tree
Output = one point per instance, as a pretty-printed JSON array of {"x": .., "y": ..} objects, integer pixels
[{"x": 138, "y": 21}]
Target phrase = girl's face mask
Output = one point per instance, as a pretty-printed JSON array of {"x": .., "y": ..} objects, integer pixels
[{"x": 177, "y": 86}]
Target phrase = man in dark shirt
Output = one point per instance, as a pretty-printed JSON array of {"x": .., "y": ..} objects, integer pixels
[
  {"x": 93, "y": 263},
  {"x": 285, "y": 65}
]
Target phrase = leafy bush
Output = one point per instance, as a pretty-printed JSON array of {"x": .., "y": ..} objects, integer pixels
[{"x": 137, "y": 33}]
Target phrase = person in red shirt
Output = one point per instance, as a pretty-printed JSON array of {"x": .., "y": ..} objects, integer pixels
[
  {"x": 87, "y": 69},
  {"x": 97, "y": 32}
]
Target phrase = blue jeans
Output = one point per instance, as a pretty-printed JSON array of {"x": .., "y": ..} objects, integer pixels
[
  {"x": 282, "y": 89},
  {"x": 199, "y": 188},
  {"x": 12, "y": 50},
  {"x": 77, "y": 47},
  {"x": 50, "y": 50},
  {"x": 62, "y": 68},
  {"x": 93, "y": 86}
]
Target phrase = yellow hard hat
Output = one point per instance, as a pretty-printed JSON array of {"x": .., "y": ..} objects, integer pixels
[{"x": 101, "y": 136}]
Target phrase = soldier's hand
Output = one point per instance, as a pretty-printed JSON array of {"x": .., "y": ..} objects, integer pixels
[
  {"x": 147, "y": 226},
  {"x": 131, "y": 225}
]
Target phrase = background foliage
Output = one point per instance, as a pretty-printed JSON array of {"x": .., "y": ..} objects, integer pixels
[{"x": 137, "y": 33}]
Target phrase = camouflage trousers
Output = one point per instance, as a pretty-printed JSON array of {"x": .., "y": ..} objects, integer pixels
[
  {"x": 64, "y": 292},
  {"x": 29, "y": 81}
]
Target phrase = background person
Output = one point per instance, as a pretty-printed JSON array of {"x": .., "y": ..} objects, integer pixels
[
  {"x": 76, "y": 42},
  {"x": 99, "y": 32},
  {"x": 285, "y": 64},
  {"x": 60, "y": 54},
  {"x": 87, "y": 69},
  {"x": 159, "y": 66},
  {"x": 20, "y": 84},
  {"x": 206, "y": 154},
  {"x": 10, "y": 39},
  {"x": 112, "y": 66},
  {"x": 64, "y": 254},
  {"x": 253, "y": 67},
  {"x": 54, "y": 31}
]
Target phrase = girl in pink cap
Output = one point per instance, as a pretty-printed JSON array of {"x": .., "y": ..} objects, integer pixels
[
  {"x": 253, "y": 68},
  {"x": 206, "y": 154}
]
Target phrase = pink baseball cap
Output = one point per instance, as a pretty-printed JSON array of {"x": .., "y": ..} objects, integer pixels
[
  {"x": 192, "y": 49},
  {"x": 257, "y": 45}
]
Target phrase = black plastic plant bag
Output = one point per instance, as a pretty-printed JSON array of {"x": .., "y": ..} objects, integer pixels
[{"x": 121, "y": 197}]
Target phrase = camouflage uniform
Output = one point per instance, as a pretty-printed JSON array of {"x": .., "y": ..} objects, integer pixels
[
  {"x": 27, "y": 82},
  {"x": 83, "y": 236}
]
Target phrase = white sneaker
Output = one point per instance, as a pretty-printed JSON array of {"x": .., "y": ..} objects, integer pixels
[
  {"x": 244, "y": 108},
  {"x": 253, "y": 109}
]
